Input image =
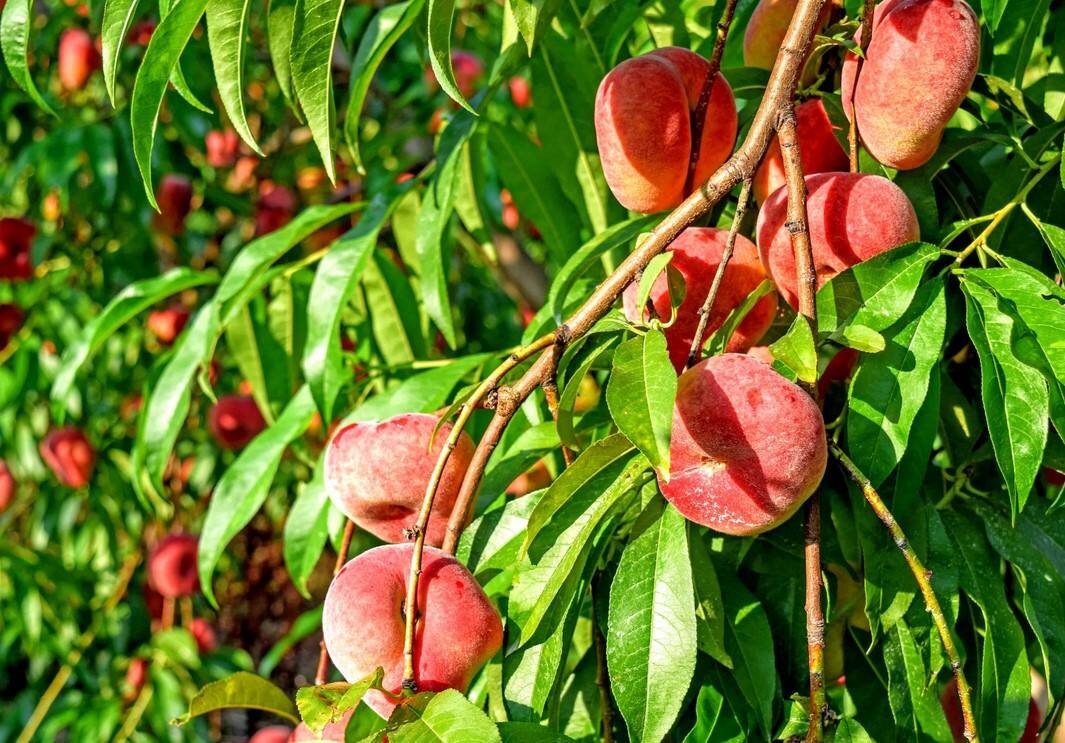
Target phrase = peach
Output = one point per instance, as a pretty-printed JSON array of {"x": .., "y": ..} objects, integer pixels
[
  {"x": 69, "y": 455},
  {"x": 272, "y": 734},
  {"x": 696, "y": 255},
  {"x": 952, "y": 710},
  {"x": 136, "y": 676},
  {"x": 520, "y": 91},
  {"x": 203, "y": 633},
  {"x": 141, "y": 33},
  {"x": 376, "y": 474},
  {"x": 748, "y": 446},
  {"x": 458, "y": 631},
  {"x": 16, "y": 235},
  {"x": 332, "y": 733},
  {"x": 222, "y": 148},
  {"x": 766, "y": 29},
  {"x": 919, "y": 66},
  {"x": 78, "y": 58},
  {"x": 852, "y": 217},
  {"x": 7, "y": 486},
  {"x": 167, "y": 324},
  {"x": 172, "y": 566},
  {"x": 819, "y": 150},
  {"x": 643, "y": 126},
  {"x": 274, "y": 209},
  {"x": 509, "y": 215},
  {"x": 175, "y": 203},
  {"x": 234, "y": 421},
  {"x": 11, "y": 318},
  {"x": 1053, "y": 477},
  {"x": 534, "y": 478}
]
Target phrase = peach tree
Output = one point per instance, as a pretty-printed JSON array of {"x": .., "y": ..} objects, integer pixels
[{"x": 532, "y": 371}]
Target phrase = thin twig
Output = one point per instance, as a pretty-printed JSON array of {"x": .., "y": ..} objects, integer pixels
[
  {"x": 322, "y": 675},
  {"x": 421, "y": 527},
  {"x": 602, "y": 678},
  {"x": 923, "y": 577},
  {"x": 551, "y": 395},
  {"x": 719, "y": 275},
  {"x": 815, "y": 618},
  {"x": 863, "y": 44}
]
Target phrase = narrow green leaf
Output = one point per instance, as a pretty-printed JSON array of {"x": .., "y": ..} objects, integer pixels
[
  {"x": 396, "y": 317},
  {"x": 326, "y": 703},
  {"x": 242, "y": 690},
  {"x": 280, "y": 28},
  {"x": 312, "y": 72},
  {"x": 749, "y": 643},
  {"x": 259, "y": 357},
  {"x": 306, "y": 530},
  {"x": 441, "y": 15},
  {"x": 532, "y": 17},
  {"x": 117, "y": 21},
  {"x": 15, "y": 23},
  {"x": 651, "y": 641},
  {"x": 640, "y": 395},
  {"x": 796, "y": 351},
  {"x": 227, "y": 26},
  {"x": 440, "y": 718}
]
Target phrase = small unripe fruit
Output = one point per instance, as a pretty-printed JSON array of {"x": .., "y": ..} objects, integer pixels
[
  {"x": 222, "y": 148},
  {"x": 203, "y": 633},
  {"x": 167, "y": 324},
  {"x": 272, "y": 734},
  {"x": 234, "y": 421},
  {"x": 852, "y": 218},
  {"x": 69, "y": 455},
  {"x": 748, "y": 446},
  {"x": 362, "y": 621},
  {"x": 11, "y": 318},
  {"x": 175, "y": 203},
  {"x": 78, "y": 58},
  {"x": 643, "y": 113},
  {"x": 697, "y": 253},
  {"x": 172, "y": 566},
  {"x": 819, "y": 150},
  {"x": 7, "y": 486},
  {"x": 377, "y": 473},
  {"x": 16, "y": 235}
]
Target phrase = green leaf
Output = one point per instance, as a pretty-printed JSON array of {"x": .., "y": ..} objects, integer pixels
[
  {"x": 649, "y": 277},
  {"x": 640, "y": 396},
  {"x": 566, "y": 401},
  {"x": 441, "y": 16},
  {"x": 531, "y": 674},
  {"x": 114, "y": 28},
  {"x": 532, "y": 18},
  {"x": 709, "y": 608},
  {"x": 1053, "y": 236},
  {"x": 395, "y": 314},
  {"x": 123, "y": 307},
  {"x": 306, "y": 530},
  {"x": 382, "y": 33},
  {"x": 850, "y": 730},
  {"x": 244, "y": 486},
  {"x": 440, "y": 718},
  {"x": 15, "y": 22},
  {"x": 321, "y": 705},
  {"x": 259, "y": 356},
  {"x": 242, "y": 690},
  {"x": 227, "y": 26},
  {"x": 334, "y": 282},
  {"x": 721, "y": 713},
  {"x": 306, "y": 623},
  {"x": 280, "y": 27},
  {"x": 795, "y": 350},
  {"x": 312, "y": 71},
  {"x": 159, "y": 64},
  {"x": 889, "y": 387},
  {"x": 914, "y": 703},
  {"x": 651, "y": 642},
  {"x": 177, "y": 79},
  {"x": 528, "y": 732},
  {"x": 493, "y": 541},
  {"x": 749, "y": 643},
  {"x": 1015, "y": 396}
]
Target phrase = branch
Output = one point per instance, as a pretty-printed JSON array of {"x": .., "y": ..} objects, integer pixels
[
  {"x": 322, "y": 674},
  {"x": 923, "y": 577},
  {"x": 863, "y": 43}
]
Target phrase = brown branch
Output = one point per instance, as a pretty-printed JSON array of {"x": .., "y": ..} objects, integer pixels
[
  {"x": 422, "y": 525},
  {"x": 815, "y": 618},
  {"x": 719, "y": 275},
  {"x": 863, "y": 44},
  {"x": 923, "y": 577},
  {"x": 322, "y": 674},
  {"x": 602, "y": 678}
]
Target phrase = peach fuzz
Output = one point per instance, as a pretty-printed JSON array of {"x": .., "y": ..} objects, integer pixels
[
  {"x": 919, "y": 66},
  {"x": 458, "y": 631},
  {"x": 748, "y": 446},
  {"x": 643, "y": 126},
  {"x": 766, "y": 28},
  {"x": 69, "y": 455},
  {"x": 852, "y": 217},
  {"x": 376, "y": 474},
  {"x": 234, "y": 421},
  {"x": 696, "y": 255},
  {"x": 172, "y": 566},
  {"x": 819, "y": 150}
]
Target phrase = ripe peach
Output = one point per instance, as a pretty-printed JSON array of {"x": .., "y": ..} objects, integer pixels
[
  {"x": 534, "y": 478},
  {"x": 7, "y": 486},
  {"x": 175, "y": 203},
  {"x": 520, "y": 91},
  {"x": 952, "y": 709},
  {"x": 275, "y": 208},
  {"x": 458, "y": 632},
  {"x": 272, "y": 734},
  {"x": 141, "y": 33},
  {"x": 222, "y": 148},
  {"x": 376, "y": 474},
  {"x": 172, "y": 566},
  {"x": 1053, "y": 477},
  {"x": 509, "y": 215},
  {"x": 819, "y": 150},
  {"x": 331, "y": 733},
  {"x": 918, "y": 68},
  {"x": 78, "y": 58},
  {"x": 766, "y": 29},
  {"x": 11, "y": 318},
  {"x": 643, "y": 126},
  {"x": 748, "y": 446},
  {"x": 136, "y": 675},
  {"x": 852, "y": 217},
  {"x": 234, "y": 421},
  {"x": 167, "y": 324},
  {"x": 468, "y": 69},
  {"x": 16, "y": 235},
  {"x": 696, "y": 255},
  {"x": 203, "y": 633},
  {"x": 69, "y": 455}
]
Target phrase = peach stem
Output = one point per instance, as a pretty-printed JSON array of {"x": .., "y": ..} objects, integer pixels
[
  {"x": 551, "y": 395},
  {"x": 322, "y": 674}
]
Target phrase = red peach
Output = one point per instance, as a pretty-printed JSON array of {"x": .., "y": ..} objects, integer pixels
[
  {"x": 167, "y": 324},
  {"x": 172, "y": 566},
  {"x": 234, "y": 421},
  {"x": 153, "y": 602},
  {"x": 919, "y": 66},
  {"x": 952, "y": 710},
  {"x": 748, "y": 446},
  {"x": 78, "y": 58},
  {"x": 520, "y": 91},
  {"x": 458, "y": 632},
  {"x": 1053, "y": 477},
  {"x": 509, "y": 215},
  {"x": 272, "y": 734},
  {"x": 376, "y": 474},
  {"x": 69, "y": 455},
  {"x": 136, "y": 675},
  {"x": 275, "y": 208},
  {"x": 7, "y": 486},
  {"x": 222, "y": 148},
  {"x": 332, "y": 733},
  {"x": 819, "y": 150},
  {"x": 534, "y": 478},
  {"x": 766, "y": 28},
  {"x": 141, "y": 33},
  {"x": 16, "y": 235},
  {"x": 11, "y": 318},
  {"x": 175, "y": 203},
  {"x": 852, "y": 217},
  {"x": 203, "y": 633},
  {"x": 696, "y": 255},
  {"x": 643, "y": 112}
]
